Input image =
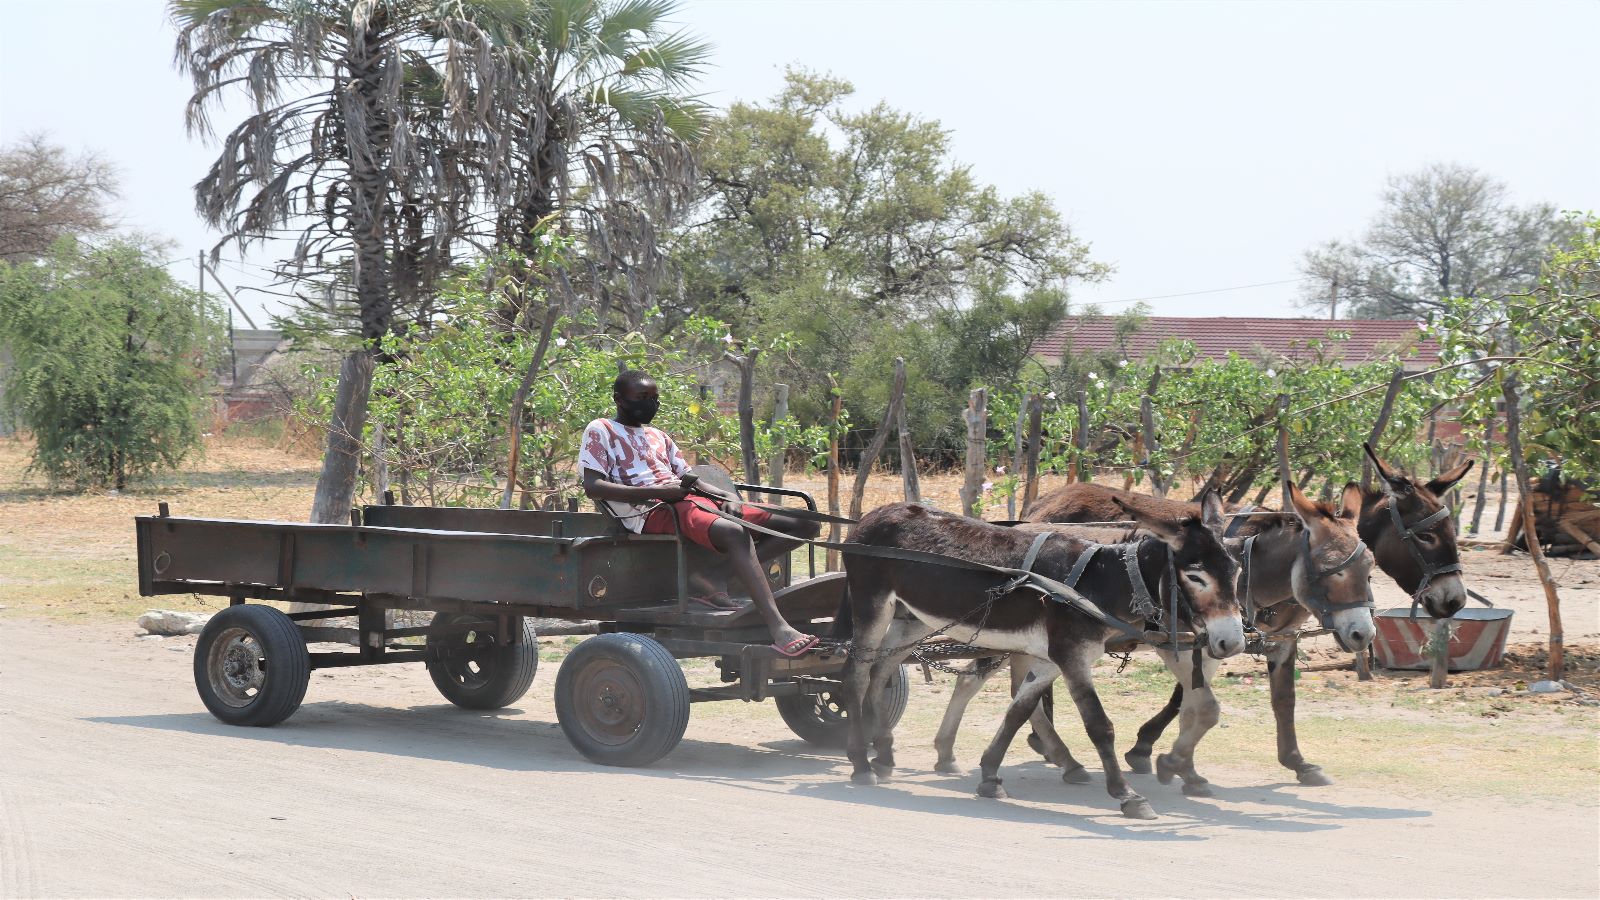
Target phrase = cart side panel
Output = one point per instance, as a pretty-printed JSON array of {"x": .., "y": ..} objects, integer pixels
[
  {"x": 496, "y": 521},
  {"x": 207, "y": 555}
]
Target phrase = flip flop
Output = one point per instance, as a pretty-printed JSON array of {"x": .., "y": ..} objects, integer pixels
[
  {"x": 799, "y": 646},
  {"x": 717, "y": 600}
]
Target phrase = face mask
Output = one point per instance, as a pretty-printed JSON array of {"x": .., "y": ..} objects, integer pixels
[{"x": 641, "y": 411}]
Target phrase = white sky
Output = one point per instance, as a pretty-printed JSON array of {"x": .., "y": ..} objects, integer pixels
[{"x": 1197, "y": 146}]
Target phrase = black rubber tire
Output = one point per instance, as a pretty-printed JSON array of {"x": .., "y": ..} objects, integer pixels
[
  {"x": 471, "y": 671},
  {"x": 233, "y": 691},
  {"x": 818, "y": 718},
  {"x": 622, "y": 700}
]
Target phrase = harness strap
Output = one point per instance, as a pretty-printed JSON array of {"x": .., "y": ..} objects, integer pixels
[
  {"x": 1082, "y": 563},
  {"x": 1144, "y": 605},
  {"x": 1408, "y": 536},
  {"x": 1249, "y": 583},
  {"x": 1049, "y": 587}
]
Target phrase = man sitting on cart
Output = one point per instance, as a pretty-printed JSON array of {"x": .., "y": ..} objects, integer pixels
[{"x": 637, "y": 471}]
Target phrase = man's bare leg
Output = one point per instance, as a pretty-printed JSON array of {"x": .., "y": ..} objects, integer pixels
[{"x": 734, "y": 541}]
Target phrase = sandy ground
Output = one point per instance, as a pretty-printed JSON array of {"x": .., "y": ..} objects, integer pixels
[{"x": 115, "y": 781}]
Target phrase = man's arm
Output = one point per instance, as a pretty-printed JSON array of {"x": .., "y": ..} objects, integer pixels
[{"x": 596, "y": 487}]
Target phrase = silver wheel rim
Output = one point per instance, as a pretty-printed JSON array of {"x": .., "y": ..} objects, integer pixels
[{"x": 237, "y": 667}]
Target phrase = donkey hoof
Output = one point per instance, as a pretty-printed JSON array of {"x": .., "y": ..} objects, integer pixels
[
  {"x": 1166, "y": 770},
  {"x": 991, "y": 790},
  {"x": 1197, "y": 789},
  {"x": 1037, "y": 745},
  {"x": 884, "y": 773},
  {"x": 1080, "y": 775},
  {"x": 1137, "y": 808},
  {"x": 864, "y": 776},
  {"x": 1138, "y": 763},
  {"x": 1312, "y": 776},
  {"x": 947, "y": 767}
]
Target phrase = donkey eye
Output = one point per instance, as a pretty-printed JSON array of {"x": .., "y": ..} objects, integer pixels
[
  {"x": 1196, "y": 579},
  {"x": 1427, "y": 538}
]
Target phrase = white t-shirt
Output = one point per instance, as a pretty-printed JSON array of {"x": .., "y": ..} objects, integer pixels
[{"x": 636, "y": 456}]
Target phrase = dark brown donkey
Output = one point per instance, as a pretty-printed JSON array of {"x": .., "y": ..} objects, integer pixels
[
  {"x": 1185, "y": 561},
  {"x": 1311, "y": 555}
]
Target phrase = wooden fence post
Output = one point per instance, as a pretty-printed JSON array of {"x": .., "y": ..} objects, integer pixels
[
  {"x": 1081, "y": 440},
  {"x": 1016, "y": 457},
  {"x": 977, "y": 427},
  {"x": 1031, "y": 467},
  {"x": 747, "y": 414},
  {"x": 870, "y": 457},
  {"x": 1558, "y": 658},
  {"x": 908, "y": 453},
  {"x": 1395, "y": 382},
  {"x": 780, "y": 411},
  {"x": 1284, "y": 474},
  {"x": 833, "y": 472},
  {"x": 1147, "y": 421},
  {"x": 1439, "y": 655}
]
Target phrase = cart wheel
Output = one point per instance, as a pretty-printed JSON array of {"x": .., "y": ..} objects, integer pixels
[
  {"x": 820, "y": 718},
  {"x": 472, "y": 669},
  {"x": 622, "y": 699},
  {"x": 251, "y": 666}
]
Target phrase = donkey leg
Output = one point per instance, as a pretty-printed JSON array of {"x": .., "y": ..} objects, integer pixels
[
  {"x": 1076, "y": 662},
  {"x": 1045, "y": 740},
  {"x": 967, "y": 686},
  {"x": 902, "y": 632},
  {"x": 1021, "y": 707},
  {"x": 872, "y": 615},
  {"x": 1138, "y": 756},
  {"x": 1200, "y": 714},
  {"x": 1280, "y": 674}
]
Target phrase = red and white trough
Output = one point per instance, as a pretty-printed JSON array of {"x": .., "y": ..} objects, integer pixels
[{"x": 1478, "y": 641}]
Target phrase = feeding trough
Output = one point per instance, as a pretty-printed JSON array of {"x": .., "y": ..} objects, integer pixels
[{"x": 1478, "y": 641}]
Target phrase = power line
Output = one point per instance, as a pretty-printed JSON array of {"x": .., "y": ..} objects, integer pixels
[{"x": 1239, "y": 287}]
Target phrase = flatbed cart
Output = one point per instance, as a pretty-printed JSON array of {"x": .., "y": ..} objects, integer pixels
[{"x": 621, "y": 696}]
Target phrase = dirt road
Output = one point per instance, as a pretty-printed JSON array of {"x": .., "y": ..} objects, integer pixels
[{"x": 115, "y": 781}]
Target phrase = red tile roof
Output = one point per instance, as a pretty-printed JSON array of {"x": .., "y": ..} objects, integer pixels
[{"x": 1215, "y": 336}]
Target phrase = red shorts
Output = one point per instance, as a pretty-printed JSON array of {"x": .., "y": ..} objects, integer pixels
[{"x": 695, "y": 516}]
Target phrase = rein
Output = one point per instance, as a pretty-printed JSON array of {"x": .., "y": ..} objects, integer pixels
[
  {"x": 1016, "y": 578},
  {"x": 1408, "y": 534}
]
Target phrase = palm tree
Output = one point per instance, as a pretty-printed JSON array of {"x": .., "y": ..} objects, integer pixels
[
  {"x": 605, "y": 140},
  {"x": 375, "y": 129}
]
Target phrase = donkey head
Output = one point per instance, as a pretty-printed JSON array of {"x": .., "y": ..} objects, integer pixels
[
  {"x": 1332, "y": 574},
  {"x": 1423, "y": 560},
  {"x": 1206, "y": 571}
]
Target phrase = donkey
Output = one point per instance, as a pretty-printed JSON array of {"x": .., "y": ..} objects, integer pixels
[
  {"x": 1312, "y": 555},
  {"x": 1184, "y": 560}
]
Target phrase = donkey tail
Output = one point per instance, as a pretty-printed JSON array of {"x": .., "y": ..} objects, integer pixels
[{"x": 843, "y": 618}]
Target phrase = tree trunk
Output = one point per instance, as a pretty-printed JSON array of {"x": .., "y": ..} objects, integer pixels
[
  {"x": 1081, "y": 464},
  {"x": 1557, "y": 664},
  {"x": 1152, "y": 447},
  {"x": 1483, "y": 481},
  {"x": 336, "y": 486},
  {"x": 1395, "y": 382},
  {"x": 1284, "y": 475},
  {"x": 977, "y": 457},
  {"x": 747, "y": 414},
  {"x": 1500, "y": 512},
  {"x": 520, "y": 400},
  {"x": 870, "y": 457}
]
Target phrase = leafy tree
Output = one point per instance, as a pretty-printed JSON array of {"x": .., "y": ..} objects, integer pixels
[
  {"x": 1443, "y": 231},
  {"x": 602, "y": 139},
  {"x": 375, "y": 126},
  {"x": 858, "y": 233},
  {"x": 1548, "y": 336},
  {"x": 109, "y": 361},
  {"x": 46, "y": 195}
]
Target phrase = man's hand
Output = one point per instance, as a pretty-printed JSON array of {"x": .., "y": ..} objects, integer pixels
[{"x": 672, "y": 491}]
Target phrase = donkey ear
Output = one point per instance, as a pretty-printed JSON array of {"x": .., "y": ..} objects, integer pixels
[
  {"x": 1211, "y": 511},
  {"x": 1351, "y": 501},
  {"x": 1307, "y": 509},
  {"x": 1394, "y": 484},
  {"x": 1448, "y": 480},
  {"x": 1170, "y": 532}
]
